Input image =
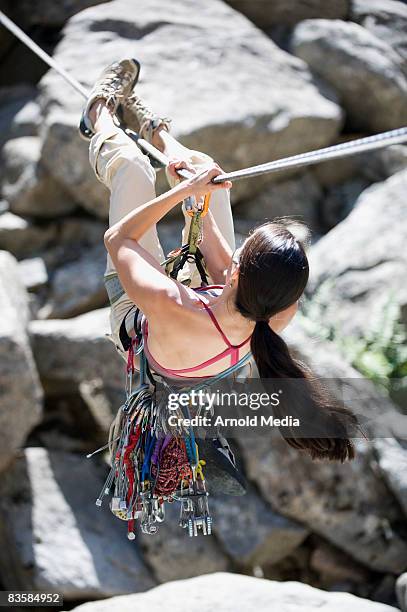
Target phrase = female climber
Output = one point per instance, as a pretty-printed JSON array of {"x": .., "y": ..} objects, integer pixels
[{"x": 191, "y": 333}]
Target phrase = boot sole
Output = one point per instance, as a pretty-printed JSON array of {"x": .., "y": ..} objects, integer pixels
[{"x": 84, "y": 131}]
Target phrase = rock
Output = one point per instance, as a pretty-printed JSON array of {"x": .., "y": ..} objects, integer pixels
[
  {"x": 251, "y": 532},
  {"x": 22, "y": 237},
  {"x": 99, "y": 401},
  {"x": 391, "y": 456},
  {"x": 230, "y": 592},
  {"x": 334, "y": 566},
  {"x": 48, "y": 13},
  {"x": 297, "y": 197},
  {"x": 75, "y": 235},
  {"x": 20, "y": 115},
  {"x": 59, "y": 540},
  {"x": 173, "y": 555},
  {"x": 66, "y": 157},
  {"x": 364, "y": 279},
  {"x": 21, "y": 393},
  {"x": 289, "y": 12},
  {"x": 386, "y": 20},
  {"x": 29, "y": 189},
  {"x": 76, "y": 350},
  {"x": 27, "y": 121},
  {"x": 271, "y": 100},
  {"x": 359, "y": 66},
  {"x": 347, "y": 504},
  {"x": 33, "y": 273},
  {"x": 339, "y": 201},
  {"x": 373, "y": 166},
  {"x": 78, "y": 286},
  {"x": 401, "y": 591}
]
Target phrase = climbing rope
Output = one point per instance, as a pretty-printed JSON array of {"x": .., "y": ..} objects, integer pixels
[{"x": 353, "y": 147}]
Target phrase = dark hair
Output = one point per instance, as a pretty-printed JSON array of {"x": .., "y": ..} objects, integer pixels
[{"x": 273, "y": 273}]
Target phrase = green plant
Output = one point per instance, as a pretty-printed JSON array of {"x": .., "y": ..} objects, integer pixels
[{"x": 380, "y": 355}]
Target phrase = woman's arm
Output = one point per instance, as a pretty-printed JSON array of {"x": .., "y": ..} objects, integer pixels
[
  {"x": 215, "y": 249},
  {"x": 143, "y": 280}
]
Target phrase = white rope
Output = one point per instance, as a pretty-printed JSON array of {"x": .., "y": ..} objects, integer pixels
[{"x": 345, "y": 149}]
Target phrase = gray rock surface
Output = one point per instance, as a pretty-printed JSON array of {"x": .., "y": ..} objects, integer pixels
[
  {"x": 231, "y": 592},
  {"x": 173, "y": 555},
  {"x": 58, "y": 536},
  {"x": 77, "y": 287},
  {"x": 22, "y": 237},
  {"x": 33, "y": 273},
  {"x": 251, "y": 532},
  {"x": 298, "y": 197},
  {"x": 76, "y": 350},
  {"x": 47, "y": 12},
  {"x": 21, "y": 393},
  {"x": 391, "y": 456},
  {"x": 359, "y": 66},
  {"x": 271, "y": 98},
  {"x": 387, "y": 19},
  {"x": 373, "y": 166},
  {"x": 289, "y": 12},
  {"x": 365, "y": 278},
  {"x": 20, "y": 115},
  {"x": 401, "y": 590},
  {"x": 27, "y": 186}
]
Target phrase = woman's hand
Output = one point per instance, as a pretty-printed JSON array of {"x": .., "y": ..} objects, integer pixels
[
  {"x": 178, "y": 164},
  {"x": 200, "y": 184}
]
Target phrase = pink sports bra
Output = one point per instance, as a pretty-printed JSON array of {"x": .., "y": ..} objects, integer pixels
[{"x": 231, "y": 349}]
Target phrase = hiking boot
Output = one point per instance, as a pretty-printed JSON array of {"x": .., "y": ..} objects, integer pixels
[
  {"x": 135, "y": 110},
  {"x": 113, "y": 86},
  {"x": 220, "y": 471}
]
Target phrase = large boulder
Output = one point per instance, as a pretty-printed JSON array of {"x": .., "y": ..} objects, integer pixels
[
  {"x": 21, "y": 393},
  {"x": 387, "y": 19},
  {"x": 57, "y": 539},
  {"x": 360, "y": 265},
  {"x": 391, "y": 457},
  {"x": 270, "y": 106},
  {"x": 20, "y": 115},
  {"x": 289, "y": 12},
  {"x": 231, "y": 592},
  {"x": 46, "y": 12},
  {"x": 70, "y": 351},
  {"x": 22, "y": 237},
  {"x": 251, "y": 532},
  {"x": 298, "y": 197},
  {"x": 359, "y": 66},
  {"x": 77, "y": 286},
  {"x": 26, "y": 184},
  {"x": 401, "y": 590},
  {"x": 347, "y": 504},
  {"x": 173, "y": 555}
]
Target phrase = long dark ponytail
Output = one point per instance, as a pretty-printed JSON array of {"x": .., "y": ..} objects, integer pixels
[{"x": 273, "y": 273}]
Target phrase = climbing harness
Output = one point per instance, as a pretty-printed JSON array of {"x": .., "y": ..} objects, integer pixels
[
  {"x": 353, "y": 147},
  {"x": 152, "y": 463}
]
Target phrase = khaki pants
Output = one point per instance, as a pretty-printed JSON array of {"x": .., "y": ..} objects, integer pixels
[{"x": 121, "y": 166}]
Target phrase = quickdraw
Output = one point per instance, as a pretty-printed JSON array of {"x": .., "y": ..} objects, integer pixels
[{"x": 190, "y": 252}]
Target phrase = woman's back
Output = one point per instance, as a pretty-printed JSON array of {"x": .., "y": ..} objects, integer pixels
[{"x": 199, "y": 341}]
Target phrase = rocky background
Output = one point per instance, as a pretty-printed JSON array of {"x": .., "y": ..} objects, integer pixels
[{"x": 247, "y": 81}]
